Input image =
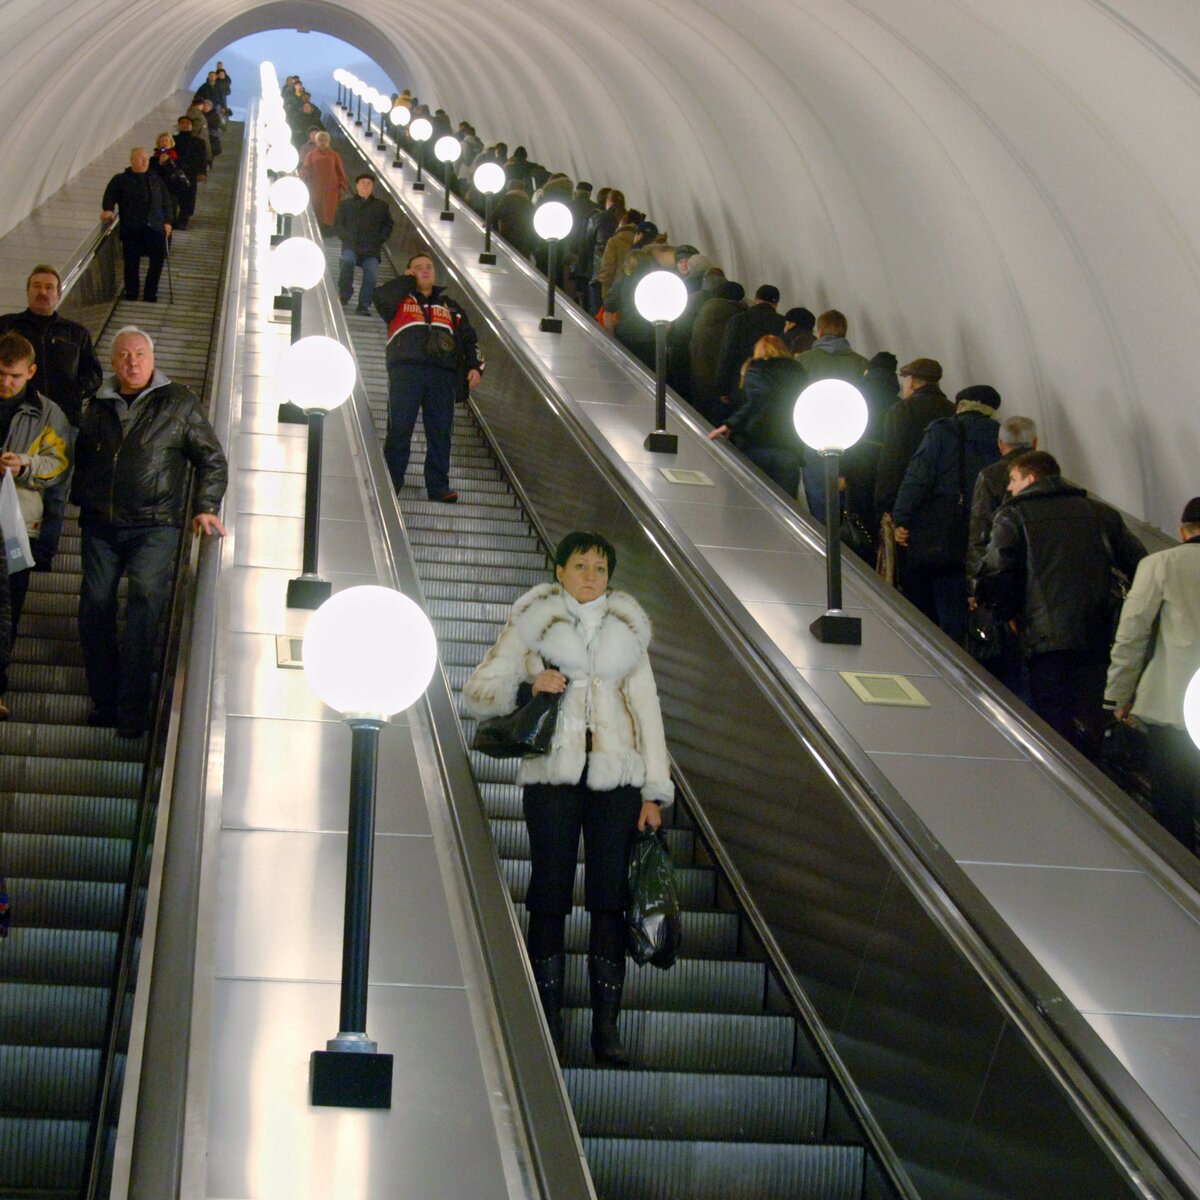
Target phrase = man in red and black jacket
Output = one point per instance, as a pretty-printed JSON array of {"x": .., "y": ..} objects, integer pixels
[{"x": 430, "y": 346}]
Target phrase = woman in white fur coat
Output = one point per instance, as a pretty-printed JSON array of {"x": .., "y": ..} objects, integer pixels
[{"x": 607, "y": 773}]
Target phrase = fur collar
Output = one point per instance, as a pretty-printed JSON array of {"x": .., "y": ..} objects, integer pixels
[{"x": 541, "y": 618}]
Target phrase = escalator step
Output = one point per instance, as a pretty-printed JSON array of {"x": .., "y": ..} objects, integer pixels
[
  {"x": 81, "y": 958},
  {"x": 50, "y": 708},
  {"x": 37, "y": 856},
  {"x": 488, "y": 540},
  {"x": 42, "y": 1156},
  {"x": 469, "y": 610},
  {"x": 636, "y": 1169},
  {"x": 31, "y": 678},
  {"x": 692, "y": 985},
  {"x": 34, "y": 1014},
  {"x": 476, "y": 591},
  {"x": 710, "y": 934},
  {"x": 453, "y": 523},
  {"x": 501, "y": 800},
  {"x": 725, "y": 1043},
  {"x": 52, "y": 651},
  {"x": 65, "y": 903},
  {"x": 417, "y": 506},
  {"x": 77, "y": 777},
  {"x": 478, "y": 635},
  {"x": 470, "y": 561},
  {"x": 44, "y": 813},
  {"x": 49, "y": 1081},
  {"x": 56, "y": 627},
  {"x": 522, "y": 579},
  {"x": 65, "y": 742},
  {"x": 675, "y": 1105},
  {"x": 696, "y": 886}
]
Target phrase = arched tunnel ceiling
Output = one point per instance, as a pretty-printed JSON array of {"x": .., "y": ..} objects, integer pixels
[{"x": 1007, "y": 187}]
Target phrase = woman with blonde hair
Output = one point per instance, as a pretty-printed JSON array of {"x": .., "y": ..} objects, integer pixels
[{"x": 761, "y": 426}]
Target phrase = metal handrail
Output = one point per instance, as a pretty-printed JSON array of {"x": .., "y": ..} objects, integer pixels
[
  {"x": 79, "y": 262},
  {"x": 1085, "y": 1067}
]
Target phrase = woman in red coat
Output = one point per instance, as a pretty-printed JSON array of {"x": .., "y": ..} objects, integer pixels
[{"x": 327, "y": 183}]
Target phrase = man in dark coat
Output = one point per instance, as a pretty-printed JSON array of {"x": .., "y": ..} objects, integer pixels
[
  {"x": 139, "y": 435},
  {"x": 740, "y": 335},
  {"x": 193, "y": 162},
  {"x": 933, "y": 505},
  {"x": 141, "y": 197},
  {"x": 513, "y": 218},
  {"x": 1048, "y": 569},
  {"x": 601, "y": 226},
  {"x": 431, "y": 351},
  {"x": 1018, "y": 435},
  {"x": 68, "y": 372},
  {"x": 724, "y": 302},
  {"x": 921, "y": 401},
  {"x": 364, "y": 223}
]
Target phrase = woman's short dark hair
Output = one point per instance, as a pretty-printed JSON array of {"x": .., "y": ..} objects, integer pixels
[{"x": 580, "y": 542}]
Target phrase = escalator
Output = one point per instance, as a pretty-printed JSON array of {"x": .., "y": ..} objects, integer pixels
[
  {"x": 70, "y": 795},
  {"x": 726, "y": 1098}
]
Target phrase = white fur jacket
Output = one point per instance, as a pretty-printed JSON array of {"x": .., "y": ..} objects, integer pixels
[{"x": 611, "y": 691}]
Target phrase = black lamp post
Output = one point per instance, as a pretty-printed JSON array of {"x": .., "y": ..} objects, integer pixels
[
  {"x": 660, "y": 297},
  {"x": 358, "y": 91},
  {"x": 318, "y": 374},
  {"x": 368, "y": 652},
  {"x": 552, "y": 220},
  {"x": 420, "y": 130},
  {"x": 830, "y": 416},
  {"x": 488, "y": 179}
]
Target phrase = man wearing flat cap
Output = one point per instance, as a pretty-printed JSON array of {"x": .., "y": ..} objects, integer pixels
[{"x": 921, "y": 402}]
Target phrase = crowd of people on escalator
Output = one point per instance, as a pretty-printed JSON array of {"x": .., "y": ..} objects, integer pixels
[{"x": 950, "y": 498}]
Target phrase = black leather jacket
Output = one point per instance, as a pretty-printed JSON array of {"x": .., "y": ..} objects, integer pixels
[
  {"x": 68, "y": 370},
  {"x": 138, "y": 477},
  {"x": 363, "y": 225},
  {"x": 1048, "y": 564}
]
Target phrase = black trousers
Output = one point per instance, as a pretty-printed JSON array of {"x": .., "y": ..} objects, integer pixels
[
  {"x": 555, "y": 815},
  {"x": 137, "y": 244},
  {"x": 1174, "y": 781},
  {"x": 1068, "y": 693}
]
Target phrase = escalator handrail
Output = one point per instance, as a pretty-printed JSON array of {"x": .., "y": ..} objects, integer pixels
[
  {"x": 79, "y": 262},
  {"x": 1135, "y": 1132}
]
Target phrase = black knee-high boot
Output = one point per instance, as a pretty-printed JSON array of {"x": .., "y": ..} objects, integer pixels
[
  {"x": 549, "y": 973},
  {"x": 607, "y": 979}
]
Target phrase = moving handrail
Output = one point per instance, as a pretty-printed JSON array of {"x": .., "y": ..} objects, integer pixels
[{"x": 1133, "y": 1131}]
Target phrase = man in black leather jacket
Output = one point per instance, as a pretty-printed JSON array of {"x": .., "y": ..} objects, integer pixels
[
  {"x": 1048, "y": 570},
  {"x": 68, "y": 372},
  {"x": 141, "y": 197},
  {"x": 139, "y": 435}
]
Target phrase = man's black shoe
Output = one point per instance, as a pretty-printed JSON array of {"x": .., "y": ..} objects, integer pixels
[
  {"x": 102, "y": 718},
  {"x": 130, "y": 730},
  {"x": 362, "y": 312},
  {"x": 446, "y": 498}
]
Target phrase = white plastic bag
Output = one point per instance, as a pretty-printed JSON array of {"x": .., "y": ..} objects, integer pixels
[{"x": 16, "y": 539}]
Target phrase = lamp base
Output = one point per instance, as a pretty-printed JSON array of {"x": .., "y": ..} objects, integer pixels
[
  {"x": 381, "y": 145},
  {"x": 397, "y": 164},
  {"x": 487, "y": 258},
  {"x": 446, "y": 216},
  {"x": 357, "y": 124},
  {"x": 339, "y": 1080},
  {"x": 276, "y": 238},
  {"x": 550, "y": 325},
  {"x": 838, "y": 629},
  {"x": 292, "y": 414},
  {"x": 308, "y": 591},
  {"x": 418, "y": 187},
  {"x": 282, "y": 302},
  {"x": 659, "y": 442}
]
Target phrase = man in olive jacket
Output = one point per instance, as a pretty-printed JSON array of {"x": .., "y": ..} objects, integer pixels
[{"x": 139, "y": 435}]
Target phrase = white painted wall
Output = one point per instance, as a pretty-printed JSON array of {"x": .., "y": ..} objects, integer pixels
[{"x": 1010, "y": 188}]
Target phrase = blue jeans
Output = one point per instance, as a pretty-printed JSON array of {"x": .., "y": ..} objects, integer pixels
[
  {"x": 119, "y": 672},
  {"x": 430, "y": 391},
  {"x": 370, "y": 272}
]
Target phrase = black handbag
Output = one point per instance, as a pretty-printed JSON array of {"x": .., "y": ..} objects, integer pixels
[
  {"x": 527, "y": 730},
  {"x": 857, "y": 537},
  {"x": 984, "y": 639},
  {"x": 653, "y": 926}
]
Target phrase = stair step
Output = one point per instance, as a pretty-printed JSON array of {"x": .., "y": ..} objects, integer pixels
[
  {"x": 511, "y": 838},
  {"x": 43, "y": 1158},
  {"x": 37, "y": 856},
  {"x": 48, "y": 1081},
  {"x": 65, "y": 903},
  {"x": 696, "y": 886},
  {"x": 676, "y": 1105},
  {"x": 88, "y": 816},
  {"x": 706, "y": 934},
  {"x": 692, "y": 985},
  {"x": 38, "y": 1014}
]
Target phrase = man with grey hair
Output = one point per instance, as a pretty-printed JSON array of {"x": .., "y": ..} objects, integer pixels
[
  {"x": 1017, "y": 435},
  {"x": 139, "y": 435},
  {"x": 140, "y": 196}
]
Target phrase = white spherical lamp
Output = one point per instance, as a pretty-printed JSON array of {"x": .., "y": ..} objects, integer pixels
[
  {"x": 489, "y": 178},
  {"x": 421, "y": 130},
  {"x": 289, "y": 196},
  {"x": 447, "y": 149},
  {"x": 400, "y": 115},
  {"x": 282, "y": 157},
  {"x": 660, "y": 296},
  {"x": 552, "y": 220},
  {"x": 369, "y": 652},
  {"x": 297, "y": 262},
  {"x": 317, "y": 373},
  {"x": 1191, "y": 708},
  {"x": 830, "y": 414}
]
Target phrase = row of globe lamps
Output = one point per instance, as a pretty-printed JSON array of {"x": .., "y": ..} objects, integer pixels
[{"x": 369, "y": 652}]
